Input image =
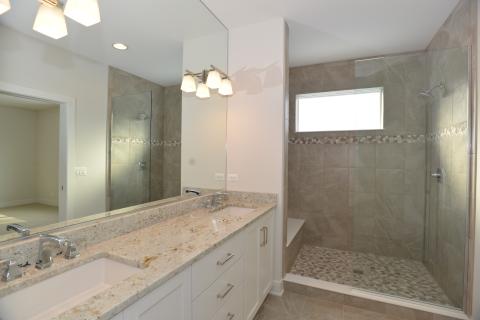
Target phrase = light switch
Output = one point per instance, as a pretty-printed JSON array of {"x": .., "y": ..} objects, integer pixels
[
  {"x": 81, "y": 171},
  {"x": 219, "y": 176},
  {"x": 233, "y": 177}
]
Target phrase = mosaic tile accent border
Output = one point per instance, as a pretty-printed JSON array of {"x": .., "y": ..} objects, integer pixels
[
  {"x": 153, "y": 142},
  {"x": 377, "y": 139},
  {"x": 455, "y": 130}
]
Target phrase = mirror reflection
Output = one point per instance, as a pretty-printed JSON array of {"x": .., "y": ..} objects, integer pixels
[{"x": 93, "y": 118}]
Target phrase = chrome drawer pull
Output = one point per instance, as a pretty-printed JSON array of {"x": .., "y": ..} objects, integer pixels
[
  {"x": 223, "y": 294},
  {"x": 230, "y": 316},
  {"x": 227, "y": 258}
]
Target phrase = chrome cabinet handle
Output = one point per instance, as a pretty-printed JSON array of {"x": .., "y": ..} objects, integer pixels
[
  {"x": 264, "y": 240},
  {"x": 266, "y": 235},
  {"x": 230, "y": 316},
  {"x": 227, "y": 258},
  {"x": 227, "y": 290}
]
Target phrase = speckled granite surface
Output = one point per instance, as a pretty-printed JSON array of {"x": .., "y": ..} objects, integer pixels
[{"x": 161, "y": 250}]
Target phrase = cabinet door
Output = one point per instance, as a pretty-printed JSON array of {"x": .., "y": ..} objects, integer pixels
[
  {"x": 171, "y": 301},
  {"x": 265, "y": 258},
  {"x": 250, "y": 257}
]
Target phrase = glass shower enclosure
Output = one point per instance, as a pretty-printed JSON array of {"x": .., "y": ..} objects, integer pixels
[{"x": 130, "y": 152}]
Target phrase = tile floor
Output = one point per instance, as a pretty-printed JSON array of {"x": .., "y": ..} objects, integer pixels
[
  {"x": 393, "y": 276},
  {"x": 330, "y": 306}
]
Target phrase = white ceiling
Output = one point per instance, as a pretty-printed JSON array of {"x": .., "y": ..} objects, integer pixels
[
  {"x": 10, "y": 101},
  {"x": 333, "y": 30},
  {"x": 154, "y": 30}
]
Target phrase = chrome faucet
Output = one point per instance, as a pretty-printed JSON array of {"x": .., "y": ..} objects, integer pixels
[
  {"x": 46, "y": 254},
  {"x": 10, "y": 270},
  {"x": 194, "y": 191},
  {"x": 18, "y": 228},
  {"x": 218, "y": 201}
]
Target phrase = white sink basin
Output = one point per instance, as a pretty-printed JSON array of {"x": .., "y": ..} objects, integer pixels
[{"x": 57, "y": 294}]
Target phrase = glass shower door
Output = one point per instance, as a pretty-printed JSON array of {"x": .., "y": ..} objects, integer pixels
[
  {"x": 130, "y": 150},
  {"x": 447, "y": 170}
]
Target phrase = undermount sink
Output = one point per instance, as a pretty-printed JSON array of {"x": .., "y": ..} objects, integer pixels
[{"x": 62, "y": 292}]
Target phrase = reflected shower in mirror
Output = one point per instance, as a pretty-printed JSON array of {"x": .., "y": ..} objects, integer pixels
[{"x": 95, "y": 123}]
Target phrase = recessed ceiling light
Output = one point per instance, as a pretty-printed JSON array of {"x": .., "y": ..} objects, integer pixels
[{"x": 120, "y": 46}]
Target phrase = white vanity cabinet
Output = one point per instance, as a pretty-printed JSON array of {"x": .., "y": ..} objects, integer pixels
[
  {"x": 258, "y": 264},
  {"x": 229, "y": 283},
  {"x": 171, "y": 301}
]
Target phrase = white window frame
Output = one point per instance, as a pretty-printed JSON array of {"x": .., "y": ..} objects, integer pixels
[{"x": 340, "y": 93}]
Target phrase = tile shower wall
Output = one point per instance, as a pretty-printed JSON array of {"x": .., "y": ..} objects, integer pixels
[
  {"x": 447, "y": 199},
  {"x": 363, "y": 190},
  {"x": 161, "y": 143}
]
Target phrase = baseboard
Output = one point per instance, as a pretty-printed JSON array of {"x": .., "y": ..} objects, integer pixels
[
  {"x": 277, "y": 288},
  {"x": 14, "y": 203}
]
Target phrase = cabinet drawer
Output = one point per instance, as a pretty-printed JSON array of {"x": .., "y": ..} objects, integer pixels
[
  {"x": 219, "y": 293},
  {"x": 233, "y": 308},
  {"x": 212, "y": 266}
]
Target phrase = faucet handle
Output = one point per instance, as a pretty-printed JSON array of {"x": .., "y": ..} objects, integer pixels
[
  {"x": 11, "y": 270},
  {"x": 18, "y": 228},
  {"x": 71, "y": 250}
]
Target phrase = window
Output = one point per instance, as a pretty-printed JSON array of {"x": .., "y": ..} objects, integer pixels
[{"x": 347, "y": 110}]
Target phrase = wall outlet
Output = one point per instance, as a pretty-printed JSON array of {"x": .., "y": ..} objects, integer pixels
[
  {"x": 219, "y": 176},
  {"x": 81, "y": 171},
  {"x": 233, "y": 177}
]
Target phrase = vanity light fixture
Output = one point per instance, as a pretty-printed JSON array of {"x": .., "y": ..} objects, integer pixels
[
  {"x": 212, "y": 78},
  {"x": 188, "y": 83},
  {"x": 50, "y": 20},
  {"x": 203, "y": 91},
  {"x": 4, "y": 6},
  {"x": 120, "y": 46},
  {"x": 85, "y": 12}
]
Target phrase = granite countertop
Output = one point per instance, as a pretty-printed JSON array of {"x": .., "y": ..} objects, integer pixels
[{"x": 161, "y": 251}]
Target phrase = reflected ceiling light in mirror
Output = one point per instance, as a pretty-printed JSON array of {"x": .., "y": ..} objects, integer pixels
[
  {"x": 85, "y": 12},
  {"x": 226, "y": 87},
  {"x": 4, "y": 6},
  {"x": 202, "y": 91},
  {"x": 50, "y": 20},
  {"x": 188, "y": 83},
  {"x": 120, "y": 46},
  {"x": 214, "y": 79}
]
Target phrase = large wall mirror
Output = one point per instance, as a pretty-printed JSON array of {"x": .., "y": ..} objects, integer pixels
[{"x": 96, "y": 121}]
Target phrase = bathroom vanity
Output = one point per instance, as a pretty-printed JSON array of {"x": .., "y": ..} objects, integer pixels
[{"x": 193, "y": 264}]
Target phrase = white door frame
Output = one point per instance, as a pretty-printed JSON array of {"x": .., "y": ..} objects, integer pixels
[{"x": 66, "y": 143}]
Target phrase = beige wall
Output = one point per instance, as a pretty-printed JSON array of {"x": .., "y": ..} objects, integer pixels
[
  {"x": 17, "y": 156},
  {"x": 46, "y": 159},
  {"x": 30, "y": 63},
  {"x": 29, "y": 140}
]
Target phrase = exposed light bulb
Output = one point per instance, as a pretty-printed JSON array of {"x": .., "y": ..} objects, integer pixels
[
  {"x": 50, "y": 21},
  {"x": 85, "y": 12},
  {"x": 203, "y": 91},
  {"x": 4, "y": 6},
  {"x": 188, "y": 84},
  {"x": 226, "y": 88},
  {"x": 214, "y": 79}
]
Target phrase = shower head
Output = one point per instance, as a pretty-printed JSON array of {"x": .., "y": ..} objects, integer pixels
[{"x": 429, "y": 92}]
